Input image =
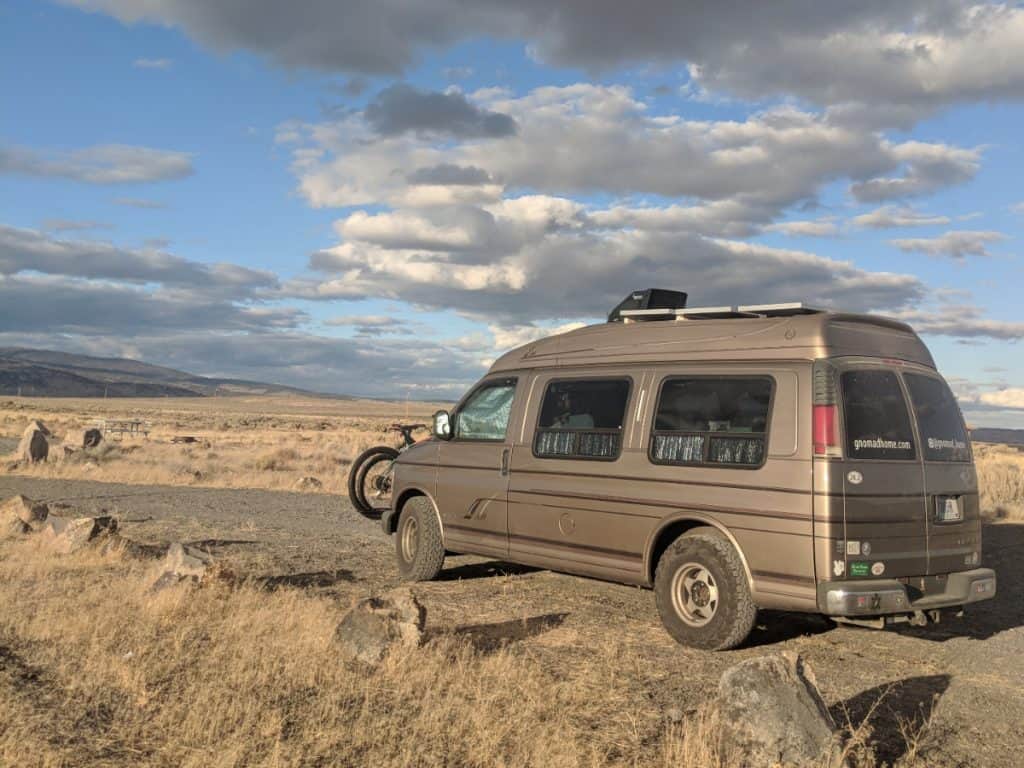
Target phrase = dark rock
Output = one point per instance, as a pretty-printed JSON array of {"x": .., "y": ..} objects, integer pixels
[
  {"x": 22, "y": 508},
  {"x": 771, "y": 713},
  {"x": 375, "y": 625},
  {"x": 33, "y": 446}
]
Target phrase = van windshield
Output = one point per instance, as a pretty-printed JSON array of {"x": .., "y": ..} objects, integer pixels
[
  {"x": 938, "y": 419},
  {"x": 877, "y": 422}
]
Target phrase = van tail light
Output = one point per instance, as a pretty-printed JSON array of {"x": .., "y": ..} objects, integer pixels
[
  {"x": 825, "y": 425},
  {"x": 826, "y": 430}
]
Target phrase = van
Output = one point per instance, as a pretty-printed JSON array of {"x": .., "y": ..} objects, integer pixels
[{"x": 732, "y": 458}]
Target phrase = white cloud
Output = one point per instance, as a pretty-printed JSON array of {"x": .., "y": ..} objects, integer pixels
[
  {"x": 957, "y": 244},
  {"x": 825, "y": 227},
  {"x": 1011, "y": 397},
  {"x": 927, "y": 168},
  {"x": 103, "y": 164},
  {"x": 892, "y": 216},
  {"x": 961, "y": 321},
  {"x": 152, "y": 64}
]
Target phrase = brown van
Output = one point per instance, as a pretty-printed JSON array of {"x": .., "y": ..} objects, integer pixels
[{"x": 775, "y": 457}]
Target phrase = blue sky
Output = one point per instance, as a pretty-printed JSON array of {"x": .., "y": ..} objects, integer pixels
[{"x": 378, "y": 199}]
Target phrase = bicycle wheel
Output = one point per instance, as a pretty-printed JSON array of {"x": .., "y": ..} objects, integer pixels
[{"x": 369, "y": 481}]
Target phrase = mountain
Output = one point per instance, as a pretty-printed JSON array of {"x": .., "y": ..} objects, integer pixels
[
  {"x": 995, "y": 435},
  {"x": 45, "y": 373}
]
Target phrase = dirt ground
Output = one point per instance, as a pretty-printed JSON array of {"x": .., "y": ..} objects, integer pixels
[{"x": 965, "y": 675}]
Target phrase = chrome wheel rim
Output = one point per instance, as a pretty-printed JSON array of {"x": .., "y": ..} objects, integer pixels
[
  {"x": 410, "y": 539},
  {"x": 694, "y": 594}
]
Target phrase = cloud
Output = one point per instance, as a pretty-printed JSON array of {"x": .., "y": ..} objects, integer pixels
[
  {"x": 103, "y": 164},
  {"x": 72, "y": 225},
  {"x": 372, "y": 325},
  {"x": 891, "y": 216},
  {"x": 152, "y": 64},
  {"x": 448, "y": 174},
  {"x": 955, "y": 244},
  {"x": 49, "y": 305},
  {"x": 400, "y": 108},
  {"x": 27, "y": 250},
  {"x": 886, "y": 61},
  {"x": 760, "y": 165},
  {"x": 926, "y": 169},
  {"x": 961, "y": 321},
  {"x": 140, "y": 202},
  {"x": 1011, "y": 397},
  {"x": 818, "y": 228},
  {"x": 545, "y": 259},
  {"x": 1017, "y": 207}
]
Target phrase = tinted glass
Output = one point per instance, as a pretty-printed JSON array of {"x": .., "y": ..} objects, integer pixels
[
  {"x": 939, "y": 423},
  {"x": 712, "y": 421},
  {"x": 877, "y": 422},
  {"x": 582, "y": 418},
  {"x": 484, "y": 416}
]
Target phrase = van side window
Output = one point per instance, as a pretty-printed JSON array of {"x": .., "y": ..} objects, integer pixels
[
  {"x": 711, "y": 420},
  {"x": 939, "y": 422},
  {"x": 582, "y": 419},
  {"x": 485, "y": 414},
  {"x": 877, "y": 422}
]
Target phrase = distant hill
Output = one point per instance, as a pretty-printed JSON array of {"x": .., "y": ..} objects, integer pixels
[
  {"x": 995, "y": 435},
  {"x": 44, "y": 373}
]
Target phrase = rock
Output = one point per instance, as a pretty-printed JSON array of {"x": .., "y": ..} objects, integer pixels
[
  {"x": 83, "y": 438},
  {"x": 65, "y": 536},
  {"x": 23, "y": 509},
  {"x": 37, "y": 426},
  {"x": 33, "y": 446},
  {"x": 771, "y": 713},
  {"x": 183, "y": 563},
  {"x": 307, "y": 484},
  {"x": 13, "y": 528},
  {"x": 375, "y": 625}
]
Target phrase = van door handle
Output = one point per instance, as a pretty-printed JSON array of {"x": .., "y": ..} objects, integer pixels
[{"x": 504, "y": 460}]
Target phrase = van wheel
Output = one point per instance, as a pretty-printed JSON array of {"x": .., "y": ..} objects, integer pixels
[
  {"x": 418, "y": 541},
  {"x": 702, "y": 594}
]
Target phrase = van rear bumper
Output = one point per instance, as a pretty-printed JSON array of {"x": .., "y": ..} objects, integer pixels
[{"x": 879, "y": 597}]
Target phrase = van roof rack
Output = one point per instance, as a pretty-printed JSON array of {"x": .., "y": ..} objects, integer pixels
[{"x": 720, "y": 313}]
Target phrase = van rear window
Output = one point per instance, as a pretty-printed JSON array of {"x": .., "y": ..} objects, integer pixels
[
  {"x": 943, "y": 436},
  {"x": 714, "y": 421},
  {"x": 877, "y": 422}
]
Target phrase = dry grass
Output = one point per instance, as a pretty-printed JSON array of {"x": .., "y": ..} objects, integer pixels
[
  {"x": 94, "y": 671},
  {"x": 264, "y": 443},
  {"x": 1001, "y": 480}
]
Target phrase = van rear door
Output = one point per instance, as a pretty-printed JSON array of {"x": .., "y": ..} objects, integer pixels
[
  {"x": 950, "y": 482},
  {"x": 885, "y": 509}
]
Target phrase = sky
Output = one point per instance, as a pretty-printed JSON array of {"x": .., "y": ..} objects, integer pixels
[{"x": 380, "y": 198}]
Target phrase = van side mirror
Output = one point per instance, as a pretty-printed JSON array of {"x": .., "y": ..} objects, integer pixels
[{"x": 443, "y": 425}]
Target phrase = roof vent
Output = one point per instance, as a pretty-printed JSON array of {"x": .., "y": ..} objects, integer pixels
[{"x": 655, "y": 302}]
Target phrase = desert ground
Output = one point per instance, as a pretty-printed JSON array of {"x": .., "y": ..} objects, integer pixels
[{"x": 522, "y": 667}]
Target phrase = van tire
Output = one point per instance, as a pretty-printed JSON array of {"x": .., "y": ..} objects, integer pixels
[
  {"x": 708, "y": 557},
  {"x": 418, "y": 541}
]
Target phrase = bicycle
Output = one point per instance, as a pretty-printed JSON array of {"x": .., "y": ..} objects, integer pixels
[{"x": 369, "y": 480}]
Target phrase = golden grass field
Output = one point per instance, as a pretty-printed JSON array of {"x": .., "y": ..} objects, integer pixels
[
  {"x": 96, "y": 671},
  {"x": 244, "y": 442}
]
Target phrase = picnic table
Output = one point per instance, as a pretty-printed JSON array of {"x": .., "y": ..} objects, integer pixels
[{"x": 122, "y": 427}]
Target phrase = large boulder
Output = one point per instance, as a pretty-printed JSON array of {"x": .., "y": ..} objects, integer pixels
[
  {"x": 375, "y": 625},
  {"x": 77, "y": 439},
  {"x": 33, "y": 447},
  {"x": 37, "y": 426},
  {"x": 771, "y": 713},
  {"x": 24, "y": 510},
  {"x": 64, "y": 536},
  {"x": 184, "y": 563}
]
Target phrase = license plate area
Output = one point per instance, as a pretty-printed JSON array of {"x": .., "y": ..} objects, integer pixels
[{"x": 949, "y": 509}]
